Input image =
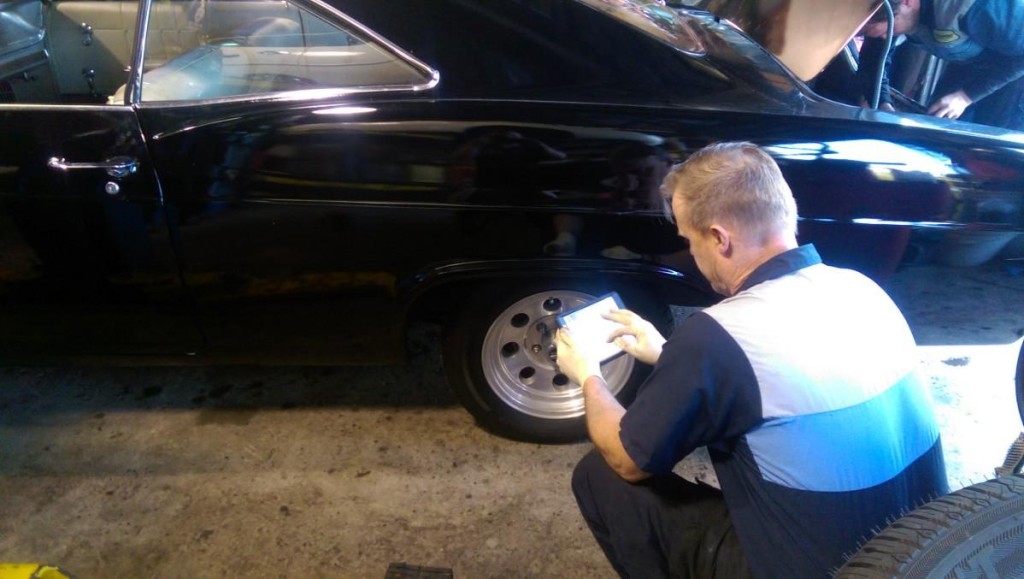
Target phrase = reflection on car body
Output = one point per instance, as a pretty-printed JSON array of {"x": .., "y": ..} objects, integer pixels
[{"x": 311, "y": 178}]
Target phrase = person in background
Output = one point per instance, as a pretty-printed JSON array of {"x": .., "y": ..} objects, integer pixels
[
  {"x": 983, "y": 42},
  {"x": 802, "y": 383}
]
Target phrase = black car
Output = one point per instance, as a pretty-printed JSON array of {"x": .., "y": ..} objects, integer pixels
[{"x": 295, "y": 182}]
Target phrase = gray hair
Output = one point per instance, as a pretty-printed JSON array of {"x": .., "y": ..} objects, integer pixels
[{"x": 734, "y": 183}]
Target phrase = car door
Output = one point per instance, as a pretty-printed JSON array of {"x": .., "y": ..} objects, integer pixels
[
  {"x": 88, "y": 265},
  {"x": 252, "y": 125}
]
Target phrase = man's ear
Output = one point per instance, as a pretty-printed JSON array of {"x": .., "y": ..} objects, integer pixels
[{"x": 723, "y": 239}]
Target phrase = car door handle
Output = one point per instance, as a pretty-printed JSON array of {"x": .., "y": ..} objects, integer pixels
[{"x": 117, "y": 167}]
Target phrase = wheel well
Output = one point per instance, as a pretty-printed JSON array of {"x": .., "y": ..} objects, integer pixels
[
  {"x": 436, "y": 302},
  {"x": 499, "y": 354}
]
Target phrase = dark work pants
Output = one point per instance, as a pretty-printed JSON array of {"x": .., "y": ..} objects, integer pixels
[{"x": 661, "y": 527}]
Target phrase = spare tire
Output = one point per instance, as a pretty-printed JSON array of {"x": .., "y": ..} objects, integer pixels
[{"x": 977, "y": 531}]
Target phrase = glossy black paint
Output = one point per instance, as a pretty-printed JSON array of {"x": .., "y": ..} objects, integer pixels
[
  {"x": 309, "y": 229},
  {"x": 84, "y": 270}
]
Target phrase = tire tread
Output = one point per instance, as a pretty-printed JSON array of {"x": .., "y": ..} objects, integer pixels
[{"x": 915, "y": 541}]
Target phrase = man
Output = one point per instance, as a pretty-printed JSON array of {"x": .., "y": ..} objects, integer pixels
[
  {"x": 802, "y": 383},
  {"x": 983, "y": 43}
]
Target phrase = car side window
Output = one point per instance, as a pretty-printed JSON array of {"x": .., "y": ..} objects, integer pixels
[
  {"x": 64, "y": 51},
  {"x": 204, "y": 49},
  {"x": 80, "y": 51}
]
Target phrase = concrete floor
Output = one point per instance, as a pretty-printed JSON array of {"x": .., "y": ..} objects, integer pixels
[{"x": 337, "y": 472}]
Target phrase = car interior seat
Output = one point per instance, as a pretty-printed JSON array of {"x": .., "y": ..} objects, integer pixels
[{"x": 268, "y": 31}]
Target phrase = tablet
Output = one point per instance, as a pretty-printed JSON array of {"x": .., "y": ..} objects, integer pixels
[{"x": 590, "y": 330}]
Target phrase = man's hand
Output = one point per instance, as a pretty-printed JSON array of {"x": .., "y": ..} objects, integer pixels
[
  {"x": 571, "y": 360},
  {"x": 950, "y": 106},
  {"x": 636, "y": 336},
  {"x": 603, "y": 411}
]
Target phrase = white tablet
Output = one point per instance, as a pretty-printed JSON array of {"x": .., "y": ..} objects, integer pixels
[{"x": 590, "y": 330}]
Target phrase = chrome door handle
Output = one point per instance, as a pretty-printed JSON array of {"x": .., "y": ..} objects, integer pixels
[{"x": 116, "y": 167}]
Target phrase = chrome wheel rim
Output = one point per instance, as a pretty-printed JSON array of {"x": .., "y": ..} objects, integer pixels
[{"x": 517, "y": 359}]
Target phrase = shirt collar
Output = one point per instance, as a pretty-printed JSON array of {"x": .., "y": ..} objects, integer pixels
[{"x": 783, "y": 264}]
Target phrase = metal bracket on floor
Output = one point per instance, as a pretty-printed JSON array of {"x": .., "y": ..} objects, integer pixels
[{"x": 407, "y": 571}]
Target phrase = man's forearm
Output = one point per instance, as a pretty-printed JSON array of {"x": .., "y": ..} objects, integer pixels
[
  {"x": 1000, "y": 72},
  {"x": 604, "y": 415}
]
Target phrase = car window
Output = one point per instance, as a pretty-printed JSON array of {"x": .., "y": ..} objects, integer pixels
[
  {"x": 203, "y": 49},
  {"x": 21, "y": 47},
  {"x": 65, "y": 51},
  {"x": 81, "y": 51}
]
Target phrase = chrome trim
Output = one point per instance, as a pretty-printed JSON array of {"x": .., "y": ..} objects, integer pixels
[
  {"x": 117, "y": 167},
  {"x": 307, "y": 95},
  {"x": 433, "y": 74},
  {"x": 133, "y": 92},
  {"x": 61, "y": 106}
]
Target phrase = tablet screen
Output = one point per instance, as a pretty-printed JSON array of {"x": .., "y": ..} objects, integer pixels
[{"x": 590, "y": 330}]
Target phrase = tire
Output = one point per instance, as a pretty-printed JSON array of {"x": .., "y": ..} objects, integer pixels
[
  {"x": 498, "y": 358},
  {"x": 977, "y": 532},
  {"x": 1020, "y": 382}
]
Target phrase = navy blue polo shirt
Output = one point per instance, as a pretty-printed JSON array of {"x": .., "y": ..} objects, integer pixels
[{"x": 805, "y": 388}]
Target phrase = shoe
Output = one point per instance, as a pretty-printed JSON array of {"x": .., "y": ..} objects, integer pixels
[
  {"x": 562, "y": 246},
  {"x": 620, "y": 252}
]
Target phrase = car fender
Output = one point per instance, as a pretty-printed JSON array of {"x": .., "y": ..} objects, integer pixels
[{"x": 426, "y": 292}]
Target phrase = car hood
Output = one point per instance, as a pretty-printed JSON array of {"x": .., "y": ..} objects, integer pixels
[{"x": 804, "y": 34}]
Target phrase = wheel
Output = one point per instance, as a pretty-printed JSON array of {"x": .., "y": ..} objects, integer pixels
[
  {"x": 499, "y": 357},
  {"x": 977, "y": 531}
]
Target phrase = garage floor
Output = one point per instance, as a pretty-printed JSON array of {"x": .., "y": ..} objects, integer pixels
[{"x": 337, "y": 472}]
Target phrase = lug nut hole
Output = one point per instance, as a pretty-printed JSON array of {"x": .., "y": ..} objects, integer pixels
[
  {"x": 526, "y": 375},
  {"x": 552, "y": 305}
]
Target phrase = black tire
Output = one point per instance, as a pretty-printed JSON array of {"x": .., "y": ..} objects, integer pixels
[
  {"x": 1020, "y": 383},
  {"x": 497, "y": 358},
  {"x": 977, "y": 531}
]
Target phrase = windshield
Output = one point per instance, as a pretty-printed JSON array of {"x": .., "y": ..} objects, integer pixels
[{"x": 654, "y": 18}]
